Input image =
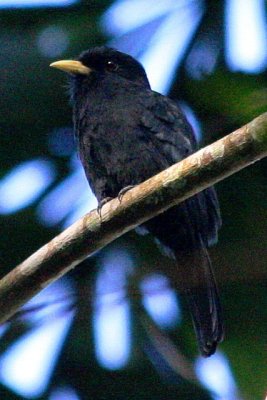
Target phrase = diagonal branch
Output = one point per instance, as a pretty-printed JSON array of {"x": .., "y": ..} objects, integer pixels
[{"x": 172, "y": 186}]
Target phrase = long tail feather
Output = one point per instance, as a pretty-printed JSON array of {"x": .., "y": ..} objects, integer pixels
[{"x": 198, "y": 282}]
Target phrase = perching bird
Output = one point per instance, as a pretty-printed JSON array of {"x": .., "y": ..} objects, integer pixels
[{"x": 127, "y": 133}]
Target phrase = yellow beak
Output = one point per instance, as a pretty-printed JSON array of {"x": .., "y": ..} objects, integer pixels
[{"x": 71, "y": 66}]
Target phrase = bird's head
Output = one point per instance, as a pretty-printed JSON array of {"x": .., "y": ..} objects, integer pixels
[{"x": 100, "y": 61}]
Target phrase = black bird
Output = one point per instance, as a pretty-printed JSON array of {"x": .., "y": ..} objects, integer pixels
[{"x": 127, "y": 133}]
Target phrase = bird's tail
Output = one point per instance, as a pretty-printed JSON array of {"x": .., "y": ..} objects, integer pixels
[{"x": 198, "y": 283}]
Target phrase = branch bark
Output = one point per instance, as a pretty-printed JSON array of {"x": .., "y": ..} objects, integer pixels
[{"x": 172, "y": 186}]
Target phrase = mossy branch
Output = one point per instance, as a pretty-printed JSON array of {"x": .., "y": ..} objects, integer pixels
[{"x": 172, "y": 186}]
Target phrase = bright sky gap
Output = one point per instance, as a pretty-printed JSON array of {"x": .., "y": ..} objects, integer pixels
[
  {"x": 215, "y": 373},
  {"x": 27, "y": 365},
  {"x": 23, "y": 184},
  {"x": 246, "y": 35},
  {"x": 35, "y": 3},
  {"x": 112, "y": 329}
]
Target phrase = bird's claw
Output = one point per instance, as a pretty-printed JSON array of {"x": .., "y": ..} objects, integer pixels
[
  {"x": 123, "y": 191},
  {"x": 101, "y": 204}
]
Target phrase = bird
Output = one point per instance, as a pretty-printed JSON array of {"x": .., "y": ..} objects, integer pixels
[{"x": 126, "y": 133}]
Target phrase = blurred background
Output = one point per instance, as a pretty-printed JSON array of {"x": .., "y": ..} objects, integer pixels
[{"x": 115, "y": 328}]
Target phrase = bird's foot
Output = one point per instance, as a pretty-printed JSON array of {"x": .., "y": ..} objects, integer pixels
[
  {"x": 123, "y": 191},
  {"x": 101, "y": 204}
]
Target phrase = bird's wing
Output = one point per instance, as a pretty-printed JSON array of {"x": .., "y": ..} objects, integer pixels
[
  {"x": 173, "y": 137},
  {"x": 163, "y": 118}
]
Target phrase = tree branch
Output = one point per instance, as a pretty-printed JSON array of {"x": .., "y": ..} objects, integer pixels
[{"x": 172, "y": 186}]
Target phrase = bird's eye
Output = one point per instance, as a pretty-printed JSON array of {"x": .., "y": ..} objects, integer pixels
[{"x": 111, "y": 66}]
